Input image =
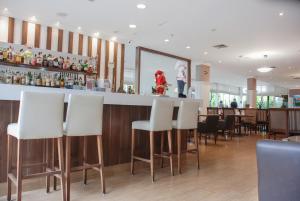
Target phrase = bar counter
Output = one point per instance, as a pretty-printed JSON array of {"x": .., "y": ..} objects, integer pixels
[{"x": 119, "y": 111}]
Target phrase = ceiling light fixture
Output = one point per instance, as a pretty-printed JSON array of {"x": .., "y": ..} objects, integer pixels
[
  {"x": 132, "y": 26},
  {"x": 167, "y": 40},
  {"x": 32, "y": 19},
  {"x": 5, "y": 9},
  {"x": 265, "y": 69},
  {"x": 205, "y": 53},
  {"x": 96, "y": 34},
  {"x": 220, "y": 61},
  {"x": 188, "y": 47},
  {"x": 79, "y": 28},
  {"x": 141, "y": 6},
  {"x": 281, "y": 14},
  {"x": 57, "y": 24},
  {"x": 114, "y": 38}
]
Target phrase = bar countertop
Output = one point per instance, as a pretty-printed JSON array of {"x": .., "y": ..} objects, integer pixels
[{"x": 12, "y": 93}]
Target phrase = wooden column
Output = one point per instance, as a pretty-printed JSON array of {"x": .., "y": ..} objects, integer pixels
[
  {"x": 106, "y": 59},
  {"x": 122, "y": 65},
  {"x": 24, "y": 32},
  {"x": 70, "y": 45},
  {"x": 11, "y": 29},
  {"x": 99, "y": 46},
  {"x": 37, "y": 37},
  {"x": 60, "y": 40},
  {"x": 115, "y": 66},
  {"x": 80, "y": 44},
  {"x": 49, "y": 38}
]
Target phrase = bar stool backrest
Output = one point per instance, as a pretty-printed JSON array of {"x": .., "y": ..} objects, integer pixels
[
  {"x": 188, "y": 115},
  {"x": 40, "y": 115},
  {"x": 161, "y": 115},
  {"x": 84, "y": 115}
]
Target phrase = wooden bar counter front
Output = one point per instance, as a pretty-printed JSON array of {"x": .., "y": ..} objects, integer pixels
[{"x": 116, "y": 129}]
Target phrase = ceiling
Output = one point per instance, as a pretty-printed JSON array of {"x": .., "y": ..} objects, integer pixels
[{"x": 251, "y": 28}]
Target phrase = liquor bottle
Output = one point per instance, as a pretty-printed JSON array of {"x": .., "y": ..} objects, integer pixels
[
  {"x": 5, "y": 54},
  {"x": 62, "y": 82},
  {"x": 33, "y": 60},
  {"x": 1, "y": 54}
]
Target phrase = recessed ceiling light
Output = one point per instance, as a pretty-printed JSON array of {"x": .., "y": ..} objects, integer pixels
[
  {"x": 132, "y": 26},
  {"x": 188, "y": 47},
  {"x": 5, "y": 9},
  {"x": 281, "y": 14},
  {"x": 167, "y": 40},
  {"x": 205, "y": 53},
  {"x": 114, "y": 38},
  {"x": 96, "y": 34},
  {"x": 57, "y": 24},
  {"x": 220, "y": 61},
  {"x": 33, "y": 19},
  {"x": 141, "y": 6},
  {"x": 264, "y": 69},
  {"x": 79, "y": 28}
]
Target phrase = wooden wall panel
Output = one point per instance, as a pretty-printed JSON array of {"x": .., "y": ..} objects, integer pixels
[
  {"x": 99, "y": 47},
  {"x": 80, "y": 44},
  {"x": 37, "y": 37},
  {"x": 11, "y": 29},
  {"x": 49, "y": 38},
  {"x": 106, "y": 59},
  {"x": 115, "y": 66},
  {"x": 24, "y": 32},
  {"x": 122, "y": 65},
  {"x": 70, "y": 46},
  {"x": 60, "y": 40},
  {"x": 89, "y": 48}
]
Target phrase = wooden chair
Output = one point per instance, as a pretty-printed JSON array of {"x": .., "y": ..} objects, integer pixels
[
  {"x": 187, "y": 120},
  {"x": 40, "y": 117},
  {"x": 160, "y": 122},
  {"x": 278, "y": 124}
]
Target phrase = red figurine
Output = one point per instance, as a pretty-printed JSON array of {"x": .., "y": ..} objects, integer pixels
[{"x": 161, "y": 83}]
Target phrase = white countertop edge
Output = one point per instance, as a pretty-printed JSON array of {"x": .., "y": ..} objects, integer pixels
[{"x": 12, "y": 92}]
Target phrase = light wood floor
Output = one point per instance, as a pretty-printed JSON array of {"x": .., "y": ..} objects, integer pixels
[{"x": 227, "y": 173}]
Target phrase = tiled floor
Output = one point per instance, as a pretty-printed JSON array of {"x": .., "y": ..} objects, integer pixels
[{"x": 228, "y": 173}]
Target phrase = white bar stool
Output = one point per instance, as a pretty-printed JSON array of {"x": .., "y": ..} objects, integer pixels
[
  {"x": 84, "y": 118},
  {"x": 160, "y": 121},
  {"x": 40, "y": 117},
  {"x": 187, "y": 119}
]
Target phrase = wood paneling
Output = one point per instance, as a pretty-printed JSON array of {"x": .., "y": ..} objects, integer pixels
[
  {"x": 115, "y": 66},
  {"x": 80, "y": 44},
  {"x": 106, "y": 59},
  {"x": 37, "y": 37},
  {"x": 49, "y": 38},
  {"x": 11, "y": 29},
  {"x": 70, "y": 44},
  {"x": 98, "y": 68},
  {"x": 60, "y": 40},
  {"x": 89, "y": 48},
  {"x": 122, "y": 65},
  {"x": 24, "y": 32}
]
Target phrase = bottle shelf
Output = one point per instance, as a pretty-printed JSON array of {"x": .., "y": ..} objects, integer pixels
[{"x": 42, "y": 68}]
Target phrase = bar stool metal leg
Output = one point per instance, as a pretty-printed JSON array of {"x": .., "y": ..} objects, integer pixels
[
  {"x": 132, "y": 150},
  {"x": 170, "y": 151},
  {"x": 100, "y": 155}
]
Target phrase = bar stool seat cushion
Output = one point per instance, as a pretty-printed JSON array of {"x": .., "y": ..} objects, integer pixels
[
  {"x": 141, "y": 125},
  {"x": 12, "y": 130}
]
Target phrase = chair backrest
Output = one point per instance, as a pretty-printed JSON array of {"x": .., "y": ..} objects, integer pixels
[
  {"x": 278, "y": 120},
  {"x": 212, "y": 124},
  {"x": 262, "y": 115},
  {"x": 228, "y": 111},
  {"x": 212, "y": 110},
  {"x": 251, "y": 113},
  {"x": 41, "y": 115},
  {"x": 294, "y": 120},
  {"x": 229, "y": 122},
  {"x": 84, "y": 115},
  {"x": 278, "y": 170},
  {"x": 188, "y": 115},
  {"x": 161, "y": 115}
]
